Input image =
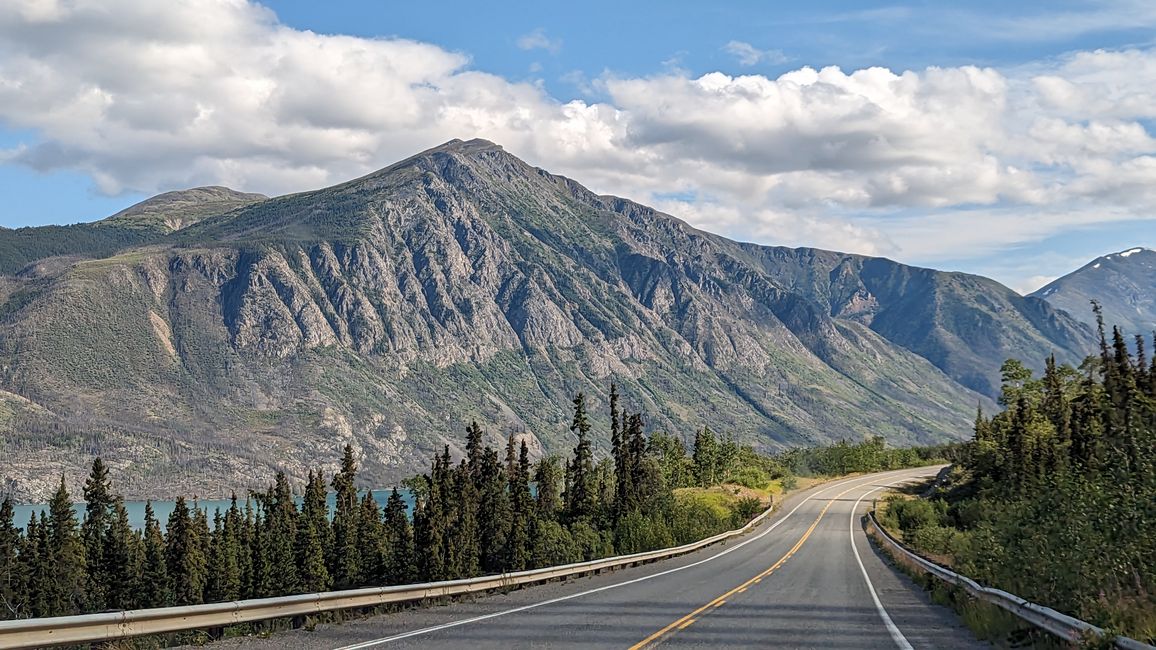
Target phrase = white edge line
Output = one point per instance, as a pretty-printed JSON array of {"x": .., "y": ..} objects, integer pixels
[
  {"x": 444, "y": 626},
  {"x": 896, "y": 635}
]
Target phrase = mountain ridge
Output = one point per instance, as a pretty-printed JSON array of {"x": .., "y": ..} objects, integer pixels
[
  {"x": 463, "y": 283},
  {"x": 1122, "y": 283}
]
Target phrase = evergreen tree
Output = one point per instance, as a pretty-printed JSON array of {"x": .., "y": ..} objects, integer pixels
[
  {"x": 252, "y": 558},
  {"x": 315, "y": 509},
  {"x": 97, "y": 518},
  {"x": 280, "y": 535},
  {"x": 155, "y": 589},
  {"x": 548, "y": 478},
  {"x": 473, "y": 445},
  {"x": 184, "y": 559},
  {"x": 67, "y": 574},
  {"x": 618, "y": 452},
  {"x": 433, "y": 518},
  {"x": 580, "y": 489},
  {"x": 345, "y": 558},
  {"x": 313, "y": 537},
  {"x": 494, "y": 517},
  {"x": 636, "y": 450},
  {"x": 399, "y": 568},
  {"x": 10, "y": 581},
  {"x": 231, "y": 585},
  {"x": 314, "y": 575},
  {"x": 224, "y": 573},
  {"x": 35, "y": 568},
  {"x": 462, "y": 540},
  {"x": 122, "y": 562},
  {"x": 705, "y": 457},
  {"x": 371, "y": 542},
  {"x": 521, "y": 512}
]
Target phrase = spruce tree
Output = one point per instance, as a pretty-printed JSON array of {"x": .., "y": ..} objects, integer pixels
[
  {"x": 35, "y": 567},
  {"x": 122, "y": 563},
  {"x": 399, "y": 567},
  {"x": 433, "y": 518},
  {"x": 255, "y": 568},
  {"x": 280, "y": 537},
  {"x": 68, "y": 578},
  {"x": 97, "y": 518},
  {"x": 473, "y": 445},
  {"x": 494, "y": 517},
  {"x": 371, "y": 541},
  {"x": 315, "y": 509},
  {"x": 705, "y": 457},
  {"x": 232, "y": 584},
  {"x": 184, "y": 558},
  {"x": 313, "y": 574},
  {"x": 345, "y": 561},
  {"x": 155, "y": 590},
  {"x": 522, "y": 512},
  {"x": 636, "y": 449},
  {"x": 618, "y": 452},
  {"x": 462, "y": 540},
  {"x": 579, "y": 496},
  {"x": 313, "y": 537},
  {"x": 548, "y": 478},
  {"x": 10, "y": 579}
]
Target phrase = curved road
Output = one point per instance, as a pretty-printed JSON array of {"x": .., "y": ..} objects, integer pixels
[{"x": 806, "y": 578}]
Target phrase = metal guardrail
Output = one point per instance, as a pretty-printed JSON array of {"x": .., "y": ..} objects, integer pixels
[
  {"x": 93, "y": 628},
  {"x": 1061, "y": 625}
]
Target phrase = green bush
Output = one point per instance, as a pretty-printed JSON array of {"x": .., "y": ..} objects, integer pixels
[
  {"x": 745, "y": 510},
  {"x": 751, "y": 477},
  {"x": 933, "y": 539},
  {"x": 912, "y": 514}
]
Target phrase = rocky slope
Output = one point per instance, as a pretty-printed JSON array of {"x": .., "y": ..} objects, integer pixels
[
  {"x": 462, "y": 283},
  {"x": 1123, "y": 283}
]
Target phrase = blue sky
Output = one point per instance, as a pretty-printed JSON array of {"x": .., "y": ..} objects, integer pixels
[{"x": 591, "y": 80}]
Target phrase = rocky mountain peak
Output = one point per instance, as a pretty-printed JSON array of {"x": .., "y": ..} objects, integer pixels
[{"x": 1122, "y": 283}]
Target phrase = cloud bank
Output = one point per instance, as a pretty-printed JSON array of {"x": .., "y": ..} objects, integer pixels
[{"x": 914, "y": 164}]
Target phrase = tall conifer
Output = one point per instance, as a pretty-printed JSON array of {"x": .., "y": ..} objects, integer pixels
[
  {"x": 9, "y": 561},
  {"x": 184, "y": 558},
  {"x": 345, "y": 561},
  {"x": 580, "y": 489},
  {"x": 68, "y": 578},
  {"x": 97, "y": 518},
  {"x": 155, "y": 587},
  {"x": 122, "y": 562},
  {"x": 399, "y": 536}
]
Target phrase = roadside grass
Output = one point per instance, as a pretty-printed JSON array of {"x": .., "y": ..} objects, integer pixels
[{"x": 988, "y": 622}]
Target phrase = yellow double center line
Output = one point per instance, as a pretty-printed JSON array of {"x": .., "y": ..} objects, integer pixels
[{"x": 689, "y": 619}]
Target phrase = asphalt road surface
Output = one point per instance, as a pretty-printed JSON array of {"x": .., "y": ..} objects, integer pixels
[{"x": 805, "y": 578}]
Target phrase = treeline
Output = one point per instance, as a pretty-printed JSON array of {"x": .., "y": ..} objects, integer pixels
[
  {"x": 23, "y": 246},
  {"x": 474, "y": 517},
  {"x": 490, "y": 512},
  {"x": 1056, "y": 497},
  {"x": 871, "y": 455}
]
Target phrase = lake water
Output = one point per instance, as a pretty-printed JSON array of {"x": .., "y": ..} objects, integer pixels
[{"x": 162, "y": 509}]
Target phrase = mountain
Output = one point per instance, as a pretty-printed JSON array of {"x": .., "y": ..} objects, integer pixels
[
  {"x": 146, "y": 222},
  {"x": 175, "y": 210},
  {"x": 462, "y": 283},
  {"x": 1123, "y": 283}
]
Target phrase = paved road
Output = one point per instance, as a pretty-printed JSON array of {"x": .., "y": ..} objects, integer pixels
[{"x": 807, "y": 578}]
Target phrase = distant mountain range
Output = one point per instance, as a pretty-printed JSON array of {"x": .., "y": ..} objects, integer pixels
[
  {"x": 203, "y": 338},
  {"x": 1123, "y": 283}
]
